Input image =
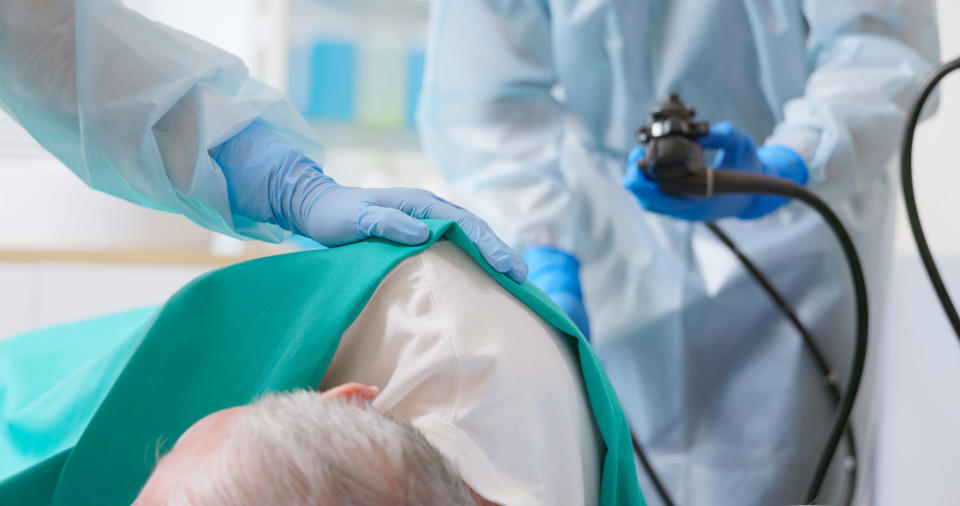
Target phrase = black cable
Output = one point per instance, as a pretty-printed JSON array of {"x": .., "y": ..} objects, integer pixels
[
  {"x": 906, "y": 175},
  {"x": 765, "y": 283},
  {"x": 725, "y": 181},
  {"x": 830, "y": 377},
  {"x": 828, "y": 374},
  {"x": 648, "y": 467}
]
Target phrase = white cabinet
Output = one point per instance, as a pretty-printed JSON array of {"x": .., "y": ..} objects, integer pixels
[
  {"x": 18, "y": 298},
  {"x": 36, "y": 294},
  {"x": 918, "y": 451}
]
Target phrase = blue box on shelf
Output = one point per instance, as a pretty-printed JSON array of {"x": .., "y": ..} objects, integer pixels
[{"x": 332, "y": 81}]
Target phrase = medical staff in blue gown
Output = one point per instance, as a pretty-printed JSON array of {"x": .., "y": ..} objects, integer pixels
[
  {"x": 162, "y": 119},
  {"x": 530, "y": 109}
]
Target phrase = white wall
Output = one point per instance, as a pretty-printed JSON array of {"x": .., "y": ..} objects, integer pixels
[
  {"x": 936, "y": 165},
  {"x": 40, "y": 294},
  {"x": 254, "y": 30},
  {"x": 918, "y": 452}
]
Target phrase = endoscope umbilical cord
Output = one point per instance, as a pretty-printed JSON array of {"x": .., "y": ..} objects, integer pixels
[
  {"x": 829, "y": 375},
  {"x": 825, "y": 370},
  {"x": 906, "y": 177},
  {"x": 724, "y": 181}
]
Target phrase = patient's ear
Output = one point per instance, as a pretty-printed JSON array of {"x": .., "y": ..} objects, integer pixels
[{"x": 352, "y": 392}]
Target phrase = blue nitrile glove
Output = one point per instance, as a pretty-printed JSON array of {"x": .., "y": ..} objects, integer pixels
[
  {"x": 557, "y": 273},
  {"x": 270, "y": 180},
  {"x": 736, "y": 152}
]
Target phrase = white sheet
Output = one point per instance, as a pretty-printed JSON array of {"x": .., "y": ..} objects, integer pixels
[{"x": 488, "y": 383}]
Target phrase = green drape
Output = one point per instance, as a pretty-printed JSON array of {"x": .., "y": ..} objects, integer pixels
[{"x": 271, "y": 324}]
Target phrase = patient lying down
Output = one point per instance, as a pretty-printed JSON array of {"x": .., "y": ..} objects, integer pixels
[
  {"x": 305, "y": 448},
  {"x": 445, "y": 390}
]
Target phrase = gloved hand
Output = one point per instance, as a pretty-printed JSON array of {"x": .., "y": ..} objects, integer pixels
[
  {"x": 736, "y": 152},
  {"x": 272, "y": 181},
  {"x": 557, "y": 273}
]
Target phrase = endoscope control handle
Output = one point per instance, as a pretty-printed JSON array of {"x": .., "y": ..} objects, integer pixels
[{"x": 669, "y": 139}]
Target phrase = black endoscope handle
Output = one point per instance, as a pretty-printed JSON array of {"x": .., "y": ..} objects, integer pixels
[{"x": 670, "y": 140}]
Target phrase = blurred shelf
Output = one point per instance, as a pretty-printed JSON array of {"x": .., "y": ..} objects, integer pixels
[
  {"x": 409, "y": 4},
  {"x": 133, "y": 257},
  {"x": 349, "y": 135}
]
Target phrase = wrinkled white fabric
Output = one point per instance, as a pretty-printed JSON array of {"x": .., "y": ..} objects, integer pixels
[{"x": 491, "y": 385}]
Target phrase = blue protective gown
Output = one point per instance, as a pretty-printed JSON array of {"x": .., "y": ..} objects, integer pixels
[
  {"x": 133, "y": 107},
  {"x": 530, "y": 107}
]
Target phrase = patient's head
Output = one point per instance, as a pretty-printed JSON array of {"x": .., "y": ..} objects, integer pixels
[{"x": 304, "y": 448}]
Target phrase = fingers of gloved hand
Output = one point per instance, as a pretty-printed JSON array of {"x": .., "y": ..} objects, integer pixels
[
  {"x": 391, "y": 224},
  {"x": 426, "y": 205},
  {"x": 413, "y": 201},
  {"x": 723, "y": 135},
  {"x": 493, "y": 250},
  {"x": 637, "y": 154},
  {"x": 518, "y": 268},
  {"x": 500, "y": 256},
  {"x": 635, "y": 179},
  {"x": 782, "y": 161},
  {"x": 735, "y": 148}
]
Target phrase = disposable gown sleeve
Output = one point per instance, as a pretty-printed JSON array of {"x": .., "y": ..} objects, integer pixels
[
  {"x": 866, "y": 59},
  {"x": 133, "y": 107},
  {"x": 489, "y": 120}
]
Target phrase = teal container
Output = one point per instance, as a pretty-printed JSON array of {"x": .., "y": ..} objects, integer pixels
[
  {"x": 416, "y": 60},
  {"x": 333, "y": 70}
]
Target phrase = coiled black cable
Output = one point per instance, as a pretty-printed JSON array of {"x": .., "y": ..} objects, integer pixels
[
  {"x": 829, "y": 376},
  {"x": 724, "y": 181},
  {"x": 906, "y": 176}
]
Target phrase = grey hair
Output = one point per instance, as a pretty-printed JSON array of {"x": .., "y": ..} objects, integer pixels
[{"x": 300, "y": 450}]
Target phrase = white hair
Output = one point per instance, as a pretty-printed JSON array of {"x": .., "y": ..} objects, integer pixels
[{"x": 300, "y": 450}]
